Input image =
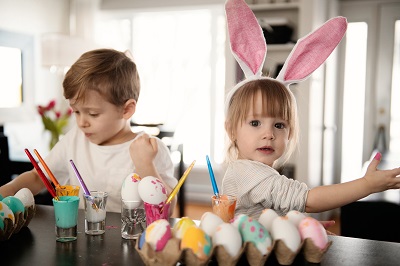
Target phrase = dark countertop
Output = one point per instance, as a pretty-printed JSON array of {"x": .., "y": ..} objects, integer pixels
[{"x": 36, "y": 245}]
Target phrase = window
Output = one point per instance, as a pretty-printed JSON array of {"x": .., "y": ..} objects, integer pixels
[
  {"x": 395, "y": 106},
  {"x": 353, "y": 100},
  {"x": 181, "y": 62}
]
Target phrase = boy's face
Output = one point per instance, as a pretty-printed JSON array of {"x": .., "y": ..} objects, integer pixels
[
  {"x": 102, "y": 122},
  {"x": 262, "y": 138}
]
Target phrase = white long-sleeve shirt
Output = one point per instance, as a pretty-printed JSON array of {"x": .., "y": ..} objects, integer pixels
[{"x": 258, "y": 187}]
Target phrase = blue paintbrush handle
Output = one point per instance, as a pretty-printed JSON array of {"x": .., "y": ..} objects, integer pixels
[{"x": 212, "y": 177}]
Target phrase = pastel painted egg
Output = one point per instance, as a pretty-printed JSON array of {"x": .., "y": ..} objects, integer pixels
[
  {"x": 6, "y": 212},
  {"x": 129, "y": 190},
  {"x": 313, "y": 229},
  {"x": 142, "y": 239},
  {"x": 158, "y": 233},
  {"x": 295, "y": 217},
  {"x": 1, "y": 197},
  {"x": 267, "y": 217},
  {"x": 238, "y": 219},
  {"x": 152, "y": 190},
  {"x": 14, "y": 203},
  {"x": 209, "y": 222},
  {"x": 229, "y": 237},
  {"x": 198, "y": 241},
  {"x": 26, "y": 197},
  {"x": 181, "y": 226},
  {"x": 252, "y": 231},
  {"x": 286, "y": 231}
]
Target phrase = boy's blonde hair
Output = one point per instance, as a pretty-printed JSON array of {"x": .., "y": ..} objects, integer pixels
[
  {"x": 278, "y": 101},
  {"x": 109, "y": 72}
]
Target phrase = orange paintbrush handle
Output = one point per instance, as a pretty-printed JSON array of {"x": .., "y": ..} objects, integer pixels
[{"x": 52, "y": 177}]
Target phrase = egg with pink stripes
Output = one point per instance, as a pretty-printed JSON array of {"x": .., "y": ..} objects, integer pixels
[{"x": 152, "y": 190}]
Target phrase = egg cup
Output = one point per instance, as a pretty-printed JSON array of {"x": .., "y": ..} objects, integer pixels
[
  {"x": 224, "y": 258},
  {"x": 8, "y": 230},
  {"x": 285, "y": 255},
  {"x": 312, "y": 253},
  {"x": 189, "y": 258},
  {"x": 170, "y": 255},
  {"x": 19, "y": 221},
  {"x": 29, "y": 214}
]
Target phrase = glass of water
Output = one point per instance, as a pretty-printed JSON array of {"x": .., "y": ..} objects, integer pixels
[{"x": 95, "y": 212}]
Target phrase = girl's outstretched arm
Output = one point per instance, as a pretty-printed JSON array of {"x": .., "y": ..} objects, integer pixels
[{"x": 329, "y": 197}]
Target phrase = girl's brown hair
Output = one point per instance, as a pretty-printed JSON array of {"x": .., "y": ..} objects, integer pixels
[
  {"x": 278, "y": 101},
  {"x": 109, "y": 72}
]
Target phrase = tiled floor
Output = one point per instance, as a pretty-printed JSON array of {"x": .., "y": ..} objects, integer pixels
[{"x": 195, "y": 210}]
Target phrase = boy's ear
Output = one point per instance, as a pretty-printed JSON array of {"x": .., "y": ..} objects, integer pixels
[{"x": 129, "y": 108}]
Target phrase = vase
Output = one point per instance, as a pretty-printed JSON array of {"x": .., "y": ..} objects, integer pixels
[{"x": 54, "y": 139}]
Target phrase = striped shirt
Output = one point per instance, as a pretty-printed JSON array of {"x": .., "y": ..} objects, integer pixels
[{"x": 258, "y": 187}]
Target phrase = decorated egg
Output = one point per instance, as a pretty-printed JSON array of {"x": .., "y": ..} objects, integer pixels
[
  {"x": 229, "y": 237},
  {"x": 129, "y": 190},
  {"x": 1, "y": 197},
  {"x": 198, "y": 241},
  {"x": 142, "y": 239},
  {"x": 152, "y": 190},
  {"x": 286, "y": 231},
  {"x": 158, "y": 233},
  {"x": 15, "y": 204},
  {"x": 267, "y": 217},
  {"x": 209, "y": 222},
  {"x": 181, "y": 226},
  {"x": 313, "y": 229},
  {"x": 295, "y": 217},
  {"x": 6, "y": 212},
  {"x": 26, "y": 197},
  {"x": 252, "y": 231}
]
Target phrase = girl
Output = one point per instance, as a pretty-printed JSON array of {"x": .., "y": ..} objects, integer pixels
[{"x": 262, "y": 125}]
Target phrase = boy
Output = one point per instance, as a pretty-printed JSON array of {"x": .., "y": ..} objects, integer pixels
[{"x": 102, "y": 88}]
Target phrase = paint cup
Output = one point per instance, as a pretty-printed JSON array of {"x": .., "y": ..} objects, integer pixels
[
  {"x": 224, "y": 206},
  {"x": 67, "y": 190},
  {"x": 66, "y": 216},
  {"x": 156, "y": 212}
]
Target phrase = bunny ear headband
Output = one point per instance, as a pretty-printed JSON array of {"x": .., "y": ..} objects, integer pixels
[{"x": 250, "y": 49}]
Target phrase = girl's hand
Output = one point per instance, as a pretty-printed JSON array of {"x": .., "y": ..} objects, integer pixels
[
  {"x": 381, "y": 180},
  {"x": 327, "y": 224},
  {"x": 143, "y": 150}
]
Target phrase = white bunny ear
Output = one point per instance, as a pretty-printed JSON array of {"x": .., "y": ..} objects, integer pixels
[
  {"x": 312, "y": 50},
  {"x": 247, "y": 39}
]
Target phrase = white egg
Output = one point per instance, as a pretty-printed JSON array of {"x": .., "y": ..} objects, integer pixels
[
  {"x": 152, "y": 190},
  {"x": 6, "y": 212},
  {"x": 26, "y": 197},
  {"x": 228, "y": 236},
  {"x": 129, "y": 191},
  {"x": 209, "y": 222},
  {"x": 295, "y": 217},
  {"x": 285, "y": 230},
  {"x": 267, "y": 217}
]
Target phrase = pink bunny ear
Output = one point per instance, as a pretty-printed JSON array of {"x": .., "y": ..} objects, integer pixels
[
  {"x": 247, "y": 40},
  {"x": 312, "y": 50}
]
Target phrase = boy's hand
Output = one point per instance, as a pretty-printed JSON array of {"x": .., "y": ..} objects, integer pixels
[{"x": 143, "y": 150}]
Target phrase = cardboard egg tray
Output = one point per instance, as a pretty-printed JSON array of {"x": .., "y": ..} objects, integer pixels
[
  {"x": 21, "y": 220},
  {"x": 172, "y": 254}
]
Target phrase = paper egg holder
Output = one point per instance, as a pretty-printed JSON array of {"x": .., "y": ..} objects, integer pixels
[
  {"x": 21, "y": 220},
  {"x": 172, "y": 254}
]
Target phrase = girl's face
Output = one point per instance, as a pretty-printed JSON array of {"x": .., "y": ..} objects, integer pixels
[
  {"x": 102, "y": 122},
  {"x": 261, "y": 138}
]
